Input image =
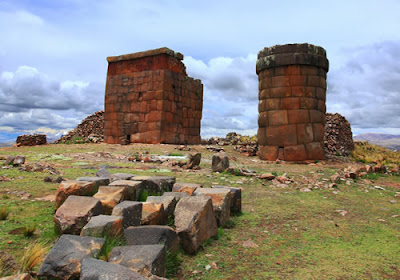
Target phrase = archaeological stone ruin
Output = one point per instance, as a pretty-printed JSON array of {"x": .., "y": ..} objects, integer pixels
[
  {"x": 292, "y": 92},
  {"x": 150, "y": 99}
]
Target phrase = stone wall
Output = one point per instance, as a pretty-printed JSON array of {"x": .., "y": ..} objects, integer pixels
[
  {"x": 31, "y": 140},
  {"x": 292, "y": 93},
  {"x": 338, "y": 136},
  {"x": 150, "y": 99}
]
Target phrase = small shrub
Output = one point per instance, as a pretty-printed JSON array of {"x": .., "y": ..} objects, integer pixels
[
  {"x": 275, "y": 173},
  {"x": 29, "y": 230},
  {"x": 3, "y": 213},
  {"x": 111, "y": 242},
  {"x": 33, "y": 256}
]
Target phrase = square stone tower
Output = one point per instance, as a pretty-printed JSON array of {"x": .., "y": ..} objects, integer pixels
[{"x": 150, "y": 99}]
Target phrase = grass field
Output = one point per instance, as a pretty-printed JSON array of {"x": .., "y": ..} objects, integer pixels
[{"x": 352, "y": 232}]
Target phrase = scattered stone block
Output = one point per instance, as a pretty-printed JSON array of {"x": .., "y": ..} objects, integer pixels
[
  {"x": 267, "y": 176},
  {"x": 75, "y": 212},
  {"x": 19, "y": 160},
  {"x": 153, "y": 214},
  {"x": 132, "y": 188},
  {"x": 195, "y": 221},
  {"x": 100, "y": 181},
  {"x": 169, "y": 203},
  {"x": 144, "y": 259},
  {"x": 101, "y": 270},
  {"x": 236, "y": 198},
  {"x": 131, "y": 212},
  {"x": 177, "y": 195},
  {"x": 189, "y": 188},
  {"x": 220, "y": 162},
  {"x": 221, "y": 200},
  {"x": 110, "y": 197},
  {"x": 153, "y": 234},
  {"x": 121, "y": 176},
  {"x": 67, "y": 188},
  {"x": 194, "y": 161},
  {"x": 64, "y": 259},
  {"x": 9, "y": 160},
  {"x": 163, "y": 183},
  {"x": 103, "y": 225}
]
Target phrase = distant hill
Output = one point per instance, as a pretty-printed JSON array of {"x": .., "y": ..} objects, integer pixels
[{"x": 389, "y": 141}]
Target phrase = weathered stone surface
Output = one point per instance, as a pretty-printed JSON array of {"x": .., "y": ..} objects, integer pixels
[
  {"x": 93, "y": 269},
  {"x": 121, "y": 176},
  {"x": 64, "y": 259},
  {"x": 75, "y": 212},
  {"x": 131, "y": 212},
  {"x": 67, "y": 188},
  {"x": 18, "y": 160},
  {"x": 169, "y": 203},
  {"x": 338, "y": 138},
  {"x": 220, "y": 162},
  {"x": 132, "y": 188},
  {"x": 144, "y": 259},
  {"x": 195, "y": 221},
  {"x": 153, "y": 214},
  {"x": 188, "y": 188},
  {"x": 177, "y": 195},
  {"x": 31, "y": 140},
  {"x": 194, "y": 161},
  {"x": 153, "y": 234},
  {"x": 100, "y": 181},
  {"x": 221, "y": 200},
  {"x": 236, "y": 198},
  {"x": 267, "y": 176},
  {"x": 110, "y": 197},
  {"x": 103, "y": 225},
  {"x": 22, "y": 276},
  {"x": 156, "y": 184}
]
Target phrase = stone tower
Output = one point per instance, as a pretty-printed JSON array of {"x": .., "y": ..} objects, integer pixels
[
  {"x": 150, "y": 99},
  {"x": 292, "y": 93}
]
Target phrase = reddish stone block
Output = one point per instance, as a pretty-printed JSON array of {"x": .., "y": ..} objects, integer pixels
[
  {"x": 320, "y": 93},
  {"x": 298, "y": 80},
  {"x": 280, "y": 92},
  {"x": 280, "y": 81},
  {"x": 321, "y": 106},
  {"x": 298, "y": 91},
  {"x": 322, "y": 83},
  {"x": 272, "y": 104},
  {"x": 309, "y": 70},
  {"x": 290, "y": 103},
  {"x": 277, "y": 117},
  {"x": 295, "y": 153},
  {"x": 261, "y": 136},
  {"x": 265, "y": 83},
  {"x": 284, "y": 135},
  {"x": 308, "y": 103},
  {"x": 268, "y": 152},
  {"x": 315, "y": 150},
  {"x": 319, "y": 131},
  {"x": 316, "y": 116},
  {"x": 298, "y": 116},
  {"x": 263, "y": 119},
  {"x": 261, "y": 105},
  {"x": 264, "y": 94},
  {"x": 310, "y": 91},
  {"x": 292, "y": 70},
  {"x": 305, "y": 133}
]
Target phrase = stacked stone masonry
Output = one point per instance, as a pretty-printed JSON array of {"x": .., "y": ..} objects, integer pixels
[
  {"x": 292, "y": 94},
  {"x": 150, "y": 99}
]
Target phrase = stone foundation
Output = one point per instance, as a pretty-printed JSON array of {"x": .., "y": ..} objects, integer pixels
[
  {"x": 292, "y": 94},
  {"x": 150, "y": 99}
]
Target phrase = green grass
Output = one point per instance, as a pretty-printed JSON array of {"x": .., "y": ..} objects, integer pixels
[
  {"x": 111, "y": 242},
  {"x": 3, "y": 213}
]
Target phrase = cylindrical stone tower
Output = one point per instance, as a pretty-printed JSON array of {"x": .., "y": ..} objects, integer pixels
[{"x": 292, "y": 93}]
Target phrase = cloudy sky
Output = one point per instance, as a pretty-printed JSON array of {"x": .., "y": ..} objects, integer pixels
[{"x": 53, "y": 56}]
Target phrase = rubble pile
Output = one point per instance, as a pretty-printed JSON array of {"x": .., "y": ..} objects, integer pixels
[
  {"x": 90, "y": 129},
  {"x": 31, "y": 140},
  {"x": 338, "y": 136}
]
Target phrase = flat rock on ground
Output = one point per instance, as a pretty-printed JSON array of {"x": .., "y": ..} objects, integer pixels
[
  {"x": 146, "y": 235},
  {"x": 130, "y": 211},
  {"x": 145, "y": 259},
  {"x": 64, "y": 259},
  {"x": 75, "y": 212},
  {"x": 121, "y": 176},
  {"x": 163, "y": 183},
  {"x": 67, "y": 188},
  {"x": 103, "y": 225},
  {"x": 100, "y": 181},
  {"x": 195, "y": 221}
]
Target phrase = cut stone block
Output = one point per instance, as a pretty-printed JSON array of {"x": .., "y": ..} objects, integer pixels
[
  {"x": 75, "y": 212},
  {"x": 132, "y": 188},
  {"x": 155, "y": 234},
  {"x": 103, "y": 225},
  {"x": 220, "y": 162},
  {"x": 100, "y": 181},
  {"x": 144, "y": 259},
  {"x": 120, "y": 176},
  {"x": 177, "y": 195},
  {"x": 101, "y": 270},
  {"x": 169, "y": 203},
  {"x": 153, "y": 214},
  {"x": 163, "y": 183},
  {"x": 189, "y": 188},
  {"x": 131, "y": 212},
  {"x": 64, "y": 259},
  {"x": 195, "y": 221},
  {"x": 67, "y": 188},
  {"x": 236, "y": 198},
  {"x": 110, "y": 197},
  {"x": 221, "y": 200}
]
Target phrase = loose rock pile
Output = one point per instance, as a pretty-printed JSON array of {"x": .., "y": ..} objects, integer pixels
[
  {"x": 338, "y": 136},
  {"x": 31, "y": 140},
  {"x": 90, "y": 129},
  {"x": 91, "y": 208}
]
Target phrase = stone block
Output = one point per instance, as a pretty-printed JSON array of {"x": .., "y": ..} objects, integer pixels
[
  {"x": 268, "y": 152},
  {"x": 305, "y": 133},
  {"x": 110, "y": 197},
  {"x": 261, "y": 135},
  {"x": 121, "y": 176},
  {"x": 103, "y": 225},
  {"x": 130, "y": 211},
  {"x": 319, "y": 132},
  {"x": 153, "y": 234},
  {"x": 315, "y": 150},
  {"x": 67, "y": 188},
  {"x": 177, "y": 195},
  {"x": 131, "y": 188},
  {"x": 157, "y": 184},
  {"x": 64, "y": 259},
  {"x": 189, "y": 188},
  {"x": 272, "y": 104},
  {"x": 220, "y": 162},
  {"x": 236, "y": 198},
  {"x": 263, "y": 120},
  {"x": 277, "y": 117},
  {"x": 169, "y": 203},
  {"x": 100, "y": 181},
  {"x": 153, "y": 214},
  {"x": 295, "y": 153},
  {"x": 101, "y": 270},
  {"x": 298, "y": 116},
  {"x": 195, "y": 221},
  {"x": 284, "y": 135},
  {"x": 75, "y": 212},
  {"x": 221, "y": 200},
  {"x": 144, "y": 259}
]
